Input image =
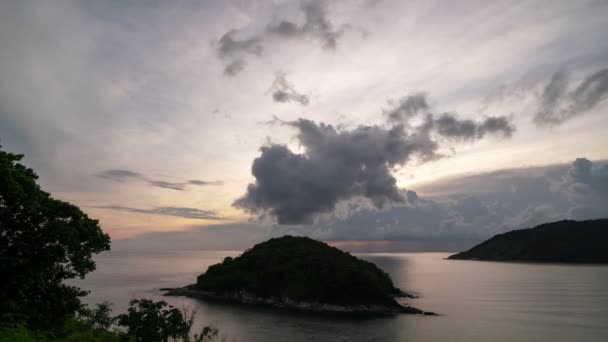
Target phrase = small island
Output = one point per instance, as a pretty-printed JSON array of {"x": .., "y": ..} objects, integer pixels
[
  {"x": 303, "y": 274},
  {"x": 563, "y": 241}
]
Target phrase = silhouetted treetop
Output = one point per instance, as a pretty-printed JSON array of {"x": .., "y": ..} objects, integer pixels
[{"x": 43, "y": 241}]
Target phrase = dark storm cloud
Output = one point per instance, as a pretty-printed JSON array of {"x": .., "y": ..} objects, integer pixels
[
  {"x": 449, "y": 126},
  {"x": 282, "y": 91},
  {"x": 123, "y": 176},
  {"x": 340, "y": 164},
  {"x": 316, "y": 25},
  {"x": 233, "y": 50},
  {"x": 190, "y": 213},
  {"x": 336, "y": 165},
  {"x": 557, "y": 104}
]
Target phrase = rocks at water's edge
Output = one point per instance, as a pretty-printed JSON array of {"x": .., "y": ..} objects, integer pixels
[{"x": 243, "y": 297}]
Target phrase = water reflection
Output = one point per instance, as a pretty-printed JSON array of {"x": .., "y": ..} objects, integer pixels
[{"x": 479, "y": 301}]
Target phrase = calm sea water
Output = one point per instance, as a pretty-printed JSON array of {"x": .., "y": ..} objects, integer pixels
[{"x": 477, "y": 301}]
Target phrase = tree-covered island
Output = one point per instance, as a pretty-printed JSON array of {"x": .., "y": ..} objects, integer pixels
[
  {"x": 564, "y": 241},
  {"x": 300, "y": 273}
]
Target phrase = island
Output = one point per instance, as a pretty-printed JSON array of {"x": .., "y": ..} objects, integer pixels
[
  {"x": 563, "y": 241},
  {"x": 303, "y": 274}
]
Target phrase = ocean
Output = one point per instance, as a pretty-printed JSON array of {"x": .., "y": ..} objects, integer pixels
[{"x": 475, "y": 300}]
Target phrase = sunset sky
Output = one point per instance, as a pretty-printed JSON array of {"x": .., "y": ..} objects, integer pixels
[{"x": 370, "y": 120}]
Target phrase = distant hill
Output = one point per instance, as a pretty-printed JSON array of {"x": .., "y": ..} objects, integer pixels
[
  {"x": 300, "y": 273},
  {"x": 562, "y": 241}
]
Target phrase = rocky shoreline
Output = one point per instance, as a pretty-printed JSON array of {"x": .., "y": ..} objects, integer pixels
[{"x": 244, "y": 297}]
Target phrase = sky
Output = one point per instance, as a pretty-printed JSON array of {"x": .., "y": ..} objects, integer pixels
[{"x": 392, "y": 125}]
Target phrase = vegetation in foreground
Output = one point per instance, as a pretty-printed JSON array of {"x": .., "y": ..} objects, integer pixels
[
  {"x": 301, "y": 269},
  {"x": 562, "y": 241},
  {"x": 43, "y": 243}
]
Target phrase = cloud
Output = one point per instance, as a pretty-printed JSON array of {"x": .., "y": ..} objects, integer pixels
[
  {"x": 123, "y": 176},
  {"x": 592, "y": 90},
  {"x": 316, "y": 25},
  {"x": 339, "y": 164},
  {"x": 233, "y": 50},
  {"x": 473, "y": 207},
  {"x": 408, "y": 107},
  {"x": 201, "y": 182},
  {"x": 234, "y": 67},
  {"x": 168, "y": 185},
  {"x": 119, "y": 175},
  {"x": 336, "y": 165},
  {"x": 558, "y": 103},
  {"x": 282, "y": 91},
  {"x": 449, "y": 126},
  {"x": 586, "y": 187},
  {"x": 463, "y": 210},
  {"x": 190, "y": 213}
]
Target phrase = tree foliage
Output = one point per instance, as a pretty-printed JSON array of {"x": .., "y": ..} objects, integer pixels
[
  {"x": 301, "y": 269},
  {"x": 43, "y": 242},
  {"x": 147, "y": 320}
]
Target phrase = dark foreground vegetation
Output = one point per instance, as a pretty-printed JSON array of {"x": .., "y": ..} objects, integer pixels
[
  {"x": 562, "y": 241},
  {"x": 300, "y": 273},
  {"x": 43, "y": 243}
]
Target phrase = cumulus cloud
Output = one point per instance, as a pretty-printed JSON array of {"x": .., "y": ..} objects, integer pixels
[
  {"x": 474, "y": 207},
  {"x": 336, "y": 165},
  {"x": 339, "y": 164},
  {"x": 316, "y": 25},
  {"x": 558, "y": 103},
  {"x": 123, "y": 176},
  {"x": 586, "y": 186},
  {"x": 190, "y": 213},
  {"x": 282, "y": 91}
]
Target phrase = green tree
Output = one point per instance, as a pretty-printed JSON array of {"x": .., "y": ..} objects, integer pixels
[
  {"x": 43, "y": 242},
  {"x": 99, "y": 317},
  {"x": 147, "y": 320}
]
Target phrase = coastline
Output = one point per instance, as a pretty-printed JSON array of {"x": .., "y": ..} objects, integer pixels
[{"x": 246, "y": 298}]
